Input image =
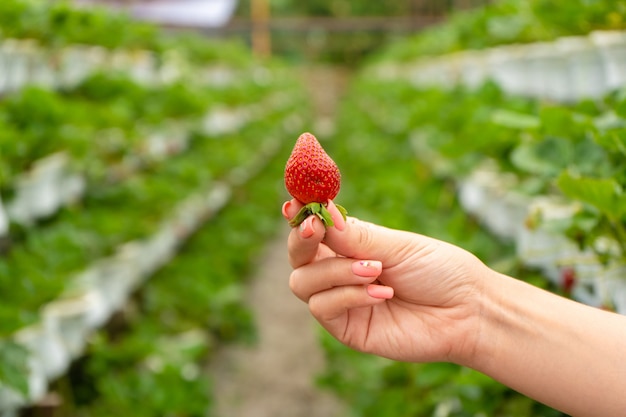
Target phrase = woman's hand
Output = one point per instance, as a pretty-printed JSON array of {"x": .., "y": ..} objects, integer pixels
[
  {"x": 412, "y": 298},
  {"x": 392, "y": 293}
]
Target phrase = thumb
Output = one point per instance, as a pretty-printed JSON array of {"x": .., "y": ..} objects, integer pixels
[{"x": 363, "y": 240}]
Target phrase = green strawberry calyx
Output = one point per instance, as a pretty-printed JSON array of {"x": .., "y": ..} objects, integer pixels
[{"x": 320, "y": 210}]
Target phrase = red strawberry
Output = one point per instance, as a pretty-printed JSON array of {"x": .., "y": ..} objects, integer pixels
[{"x": 312, "y": 178}]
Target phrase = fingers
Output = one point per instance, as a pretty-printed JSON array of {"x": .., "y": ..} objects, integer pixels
[
  {"x": 330, "y": 273},
  {"x": 292, "y": 207},
  {"x": 338, "y": 220},
  {"x": 329, "y": 307},
  {"x": 356, "y": 239},
  {"x": 304, "y": 240},
  {"x": 334, "y": 286}
]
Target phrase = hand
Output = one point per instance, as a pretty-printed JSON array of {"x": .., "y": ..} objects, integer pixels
[
  {"x": 392, "y": 293},
  {"x": 412, "y": 298}
]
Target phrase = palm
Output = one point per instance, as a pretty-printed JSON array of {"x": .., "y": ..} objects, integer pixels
[{"x": 423, "y": 312}]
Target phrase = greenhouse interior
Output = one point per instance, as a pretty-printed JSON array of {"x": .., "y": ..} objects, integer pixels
[{"x": 144, "y": 261}]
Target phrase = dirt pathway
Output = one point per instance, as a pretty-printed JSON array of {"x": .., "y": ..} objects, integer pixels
[{"x": 276, "y": 377}]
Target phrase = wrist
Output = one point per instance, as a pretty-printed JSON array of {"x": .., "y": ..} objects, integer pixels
[
  {"x": 540, "y": 344},
  {"x": 481, "y": 331},
  {"x": 489, "y": 331}
]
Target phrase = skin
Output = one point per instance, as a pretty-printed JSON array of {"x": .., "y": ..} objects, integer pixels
[{"x": 412, "y": 298}]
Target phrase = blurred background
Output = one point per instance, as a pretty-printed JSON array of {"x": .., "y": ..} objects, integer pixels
[
  {"x": 328, "y": 31},
  {"x": 142, "y": 145}
]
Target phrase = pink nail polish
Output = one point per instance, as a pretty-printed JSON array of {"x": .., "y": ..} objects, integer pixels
[
  {"x": 380, "y": 291},
  {"x": 306, "y": 227},
  {"x": 336, "y": 215},
  {"x": 369, "y": 269},
  {"x": 286, "y": 206}
]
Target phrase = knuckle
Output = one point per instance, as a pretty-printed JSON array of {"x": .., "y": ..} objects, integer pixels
[
  {"x": 365, "y": 237},
  {"x": 328, "y": 305},
  {"x": 317, "y": 307},
  {"x": 294, "y": 283}
]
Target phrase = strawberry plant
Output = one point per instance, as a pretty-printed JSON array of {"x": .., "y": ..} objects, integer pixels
[
  {"x": 102, "y": 126},
  {"x": 573, "y": 150},
  {"x": 87, "y": 232},
  {"x": 49, "y": 253},
  {"x": 59, "y": 24},
  {"x": 187, "y": 310},
  {"x": 509, "y": 22},
  {"x": 13, "y": 365}
]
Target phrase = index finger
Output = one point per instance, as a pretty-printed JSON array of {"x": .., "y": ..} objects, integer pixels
[
  {"x": 304, "y": 244},
  {"x": 305, "y": 241}
]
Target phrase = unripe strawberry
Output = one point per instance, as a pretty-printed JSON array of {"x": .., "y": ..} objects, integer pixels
[{"x": 313, "y": 178}]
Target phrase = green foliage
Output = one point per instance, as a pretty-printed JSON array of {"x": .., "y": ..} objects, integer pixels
[
  {"x": 577, "y": 150},
  {"x": 510, "y": 21},
  {"x": 152, "y": 364},
  {"x": 199, "y": 50},
  {"x": 102, "y": 120},
  {"x": 84, "y": 232},
  {"x": 13, "y": 366},
  {"x": 407, "y": 390},
  {"x": 191, "y": 306},
  {"x": 151, "y": 367},
  {"x": 59, "y": 24}
]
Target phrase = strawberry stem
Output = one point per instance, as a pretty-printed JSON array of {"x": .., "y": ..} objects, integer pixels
[{"x": 318, "y": 209}]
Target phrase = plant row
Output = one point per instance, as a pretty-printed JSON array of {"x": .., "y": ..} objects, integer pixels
[
  {"x": 567, "y": 69},
  {"x": 178, "y": 317},
  {"x": 59, "y": 25},
  {"x": 106, "y": 176},
  {"x": 528, "y": 168},
  {"x": 42, "y": 258},
  {"x": 190, "y": 307},
  {"x": 103, "y": 131},
  {"x": 510, "y": 22},
  {"x": 28, "y": 62},
  {"x": 56, "y": 45}
]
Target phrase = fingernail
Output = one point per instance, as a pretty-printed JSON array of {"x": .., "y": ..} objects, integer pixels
[
  {"x": 380, "y": 291},
  {"x": 368, "y": 269},
  {"x": 336, "y": 215},
  {"x": 306, "y": 227},
  {"x": 286, "y": 206}
]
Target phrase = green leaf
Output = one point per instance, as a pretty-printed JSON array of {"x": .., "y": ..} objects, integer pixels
[
  {"x": 605, "y": 194},
  {"x": 546, "y": 157},
  {"x": 325, "y": 216},
  {"x": 14, "y": 366},
  {"x": 434, "y": 374},
  {"x": 558, "y": 121},
  {"x": 613, "y": 140},
  {"x": 515, "y": 120}
]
